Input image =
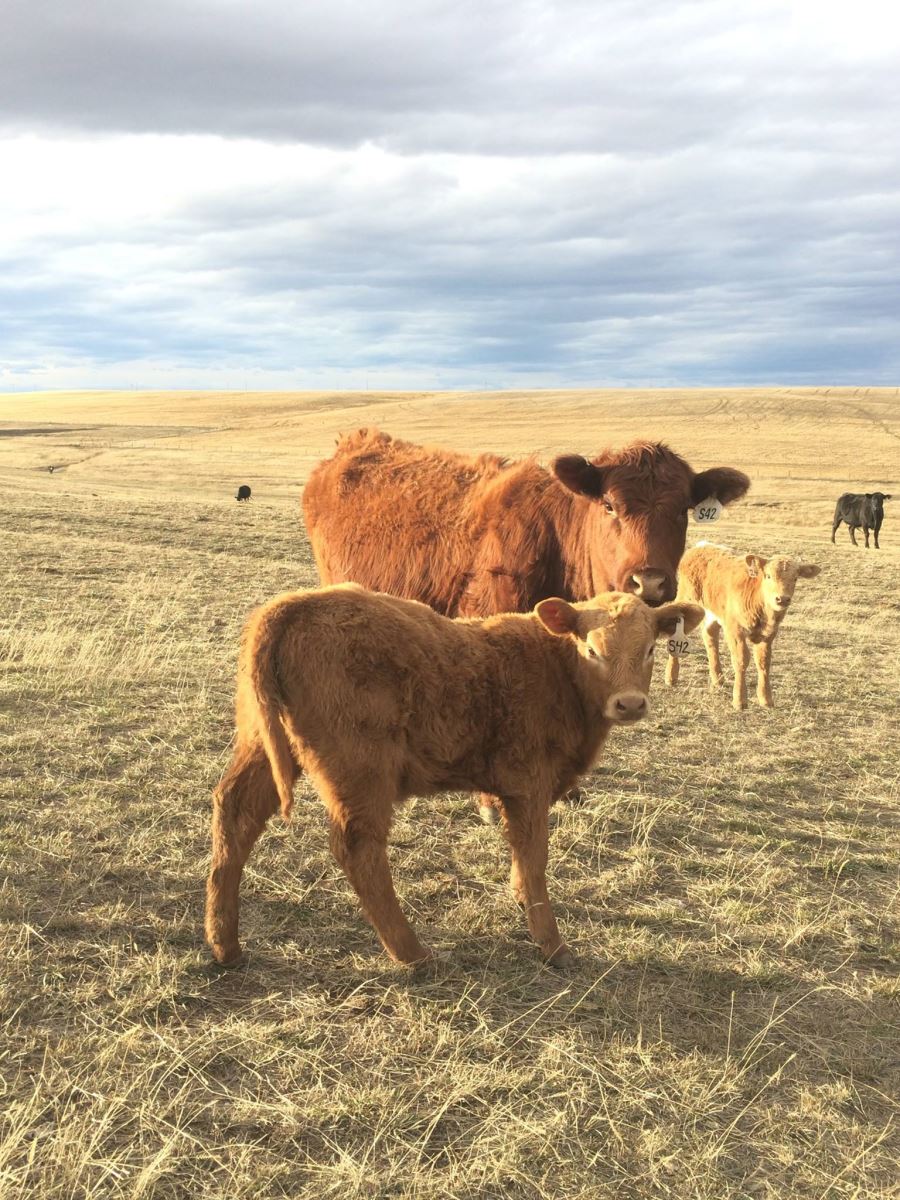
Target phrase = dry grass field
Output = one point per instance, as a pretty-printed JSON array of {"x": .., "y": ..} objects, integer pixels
[{"x": 730, "y": 883}]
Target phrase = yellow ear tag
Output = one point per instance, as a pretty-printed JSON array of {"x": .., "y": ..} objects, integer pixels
[
  {"x": 707, "y": 512},
  {"x": 679, "y": 644}
]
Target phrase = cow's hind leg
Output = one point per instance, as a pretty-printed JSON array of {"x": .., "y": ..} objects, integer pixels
[
  {"x": 834, "y": 529},
  {"x": 359, "y": 831},
  {"x": 242, "y": 803},
  {"x": 525, "y": 823}
]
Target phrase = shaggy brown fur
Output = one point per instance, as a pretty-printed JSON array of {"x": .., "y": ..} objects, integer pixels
[
  {"x": 747, "y": 596},
  {"x": 477, "y": 536},
  {"x": 377, "y": 699}
]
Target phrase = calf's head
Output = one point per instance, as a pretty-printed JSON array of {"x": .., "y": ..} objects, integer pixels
[
  {"x": 637, "y": 512},
  {"x": 616, "y": 633},
  {"x": 779, "y": 577}
]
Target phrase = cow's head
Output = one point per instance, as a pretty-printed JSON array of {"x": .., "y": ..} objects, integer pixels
[
  {"x": 878, "y": 498},
  {"x": 615, "y": 634},
  {"x": 636, "y": 520},
  {"x": 779, "y": 578}
]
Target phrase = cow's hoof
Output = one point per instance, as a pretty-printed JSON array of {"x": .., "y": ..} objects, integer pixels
[
  {"x": 488, "y": 814},
  {"x": 562, "y": 959}
]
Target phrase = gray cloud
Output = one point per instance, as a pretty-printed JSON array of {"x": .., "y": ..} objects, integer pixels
[{"x": 547, "y": 192}]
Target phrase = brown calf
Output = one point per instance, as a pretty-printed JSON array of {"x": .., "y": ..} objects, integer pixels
[
  {"x": 478, "y": 536},
  {"x": 378, "y": 699},
  {"x": 747, "y": 596}
]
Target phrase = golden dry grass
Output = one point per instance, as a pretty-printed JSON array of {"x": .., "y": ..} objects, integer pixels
[{"x": 730, "y": 883}]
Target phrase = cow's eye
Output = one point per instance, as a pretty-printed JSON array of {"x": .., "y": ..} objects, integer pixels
[
  {"x": 592, "y": 653},
  {"x": 608, "y": 506},
  {"x": 650, "y": 651}
]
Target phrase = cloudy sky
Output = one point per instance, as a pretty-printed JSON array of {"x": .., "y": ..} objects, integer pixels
[{"x": 449, "y": 193}]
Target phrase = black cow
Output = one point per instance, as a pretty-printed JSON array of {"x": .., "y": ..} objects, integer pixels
[
  {"x": 866, "y": 511},
  {"x": 243, "y": 492}
]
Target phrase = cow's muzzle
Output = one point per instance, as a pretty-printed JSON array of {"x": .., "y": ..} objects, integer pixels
[{"x": 653, "y": 586}]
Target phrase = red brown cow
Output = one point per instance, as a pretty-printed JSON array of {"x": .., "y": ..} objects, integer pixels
[
  {"x": 476, "y": 536},
  {"x": 378, "y": 699}
]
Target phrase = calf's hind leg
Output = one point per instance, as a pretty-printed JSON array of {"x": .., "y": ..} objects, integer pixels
[
  {"x": 242, "y": 803},
  {"x": 359, "y": 833}
]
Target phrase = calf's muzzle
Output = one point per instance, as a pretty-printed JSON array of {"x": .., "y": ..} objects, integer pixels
[{"x": 626, "y": 707}]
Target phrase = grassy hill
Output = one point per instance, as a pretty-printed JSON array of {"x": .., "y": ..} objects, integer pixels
[{"x": 730, "y": 882}]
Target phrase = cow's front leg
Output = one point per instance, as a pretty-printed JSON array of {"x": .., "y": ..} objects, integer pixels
[
  {"x": 762, "y": 652},
  {"x": 866, "y": 535},
  {"x": 525, "y": 821}
]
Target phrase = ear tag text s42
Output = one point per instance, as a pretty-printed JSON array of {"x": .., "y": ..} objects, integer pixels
[
  {"x": 708, "y": 511},
  {"x": 678, "y": 644}
]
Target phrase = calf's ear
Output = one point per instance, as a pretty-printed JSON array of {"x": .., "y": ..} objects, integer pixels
[
  {"x": 557, "y": 616},
  {"x": 808, "y": 570},
  {"x": 755, "y": 564},
  {"x": 724, "y": 483},
  {"x": 578, "y": 475},
  {"x": 667, "y": 616}
]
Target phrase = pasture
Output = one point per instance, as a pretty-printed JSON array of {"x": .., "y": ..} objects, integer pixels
[{"x": 730, "y": 882}]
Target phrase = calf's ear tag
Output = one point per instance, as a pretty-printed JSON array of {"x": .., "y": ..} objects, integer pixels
[
  {"x": 678, "y": 644},
  {"x": 708, "y": 511}
]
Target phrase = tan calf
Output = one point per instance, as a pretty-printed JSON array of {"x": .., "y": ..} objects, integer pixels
[
  {"x": 378, "y": 699},
  {"x": 747, "y": 596}
]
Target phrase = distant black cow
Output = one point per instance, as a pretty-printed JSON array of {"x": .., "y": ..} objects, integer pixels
[
  {"x": 243, "y": 492},
  {"x": 865, "y": 511}
]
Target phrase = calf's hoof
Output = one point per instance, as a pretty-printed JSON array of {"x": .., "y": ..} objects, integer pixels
[
  {"x": 561, "y": 959},
  {"x": 488, "y": 814},
  {"x": 226, "y": 960},
  {"x": 421, "y": 956}
]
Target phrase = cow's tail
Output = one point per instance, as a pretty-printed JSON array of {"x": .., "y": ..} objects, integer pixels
[{"x": 262, "y": 639}]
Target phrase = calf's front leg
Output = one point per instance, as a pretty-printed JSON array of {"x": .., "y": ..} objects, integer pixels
[
  {"x": 711, "y": 632},
  {"x": 762, "y": 652},
  {"x": 359, "y": 832},
  {"x": 740, "y": 658},
  {"x": 525, "y": 822}
]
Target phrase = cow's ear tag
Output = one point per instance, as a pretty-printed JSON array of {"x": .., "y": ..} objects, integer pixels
[
  {"x": 708, "y": 511},
  {"x": 679, "y": 644}
]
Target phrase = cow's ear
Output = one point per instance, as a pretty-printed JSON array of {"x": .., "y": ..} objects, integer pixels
[
  {"x": 755, "y": 564},
  {"x": 557, "y": 616},
  {"x": 724, "y": 483},
  {"x": 578, "y": 475},
  {"x": 808, "y": 570},
  {"x": 886, "y": 497},
  {"x": 668, "y": 615}
]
